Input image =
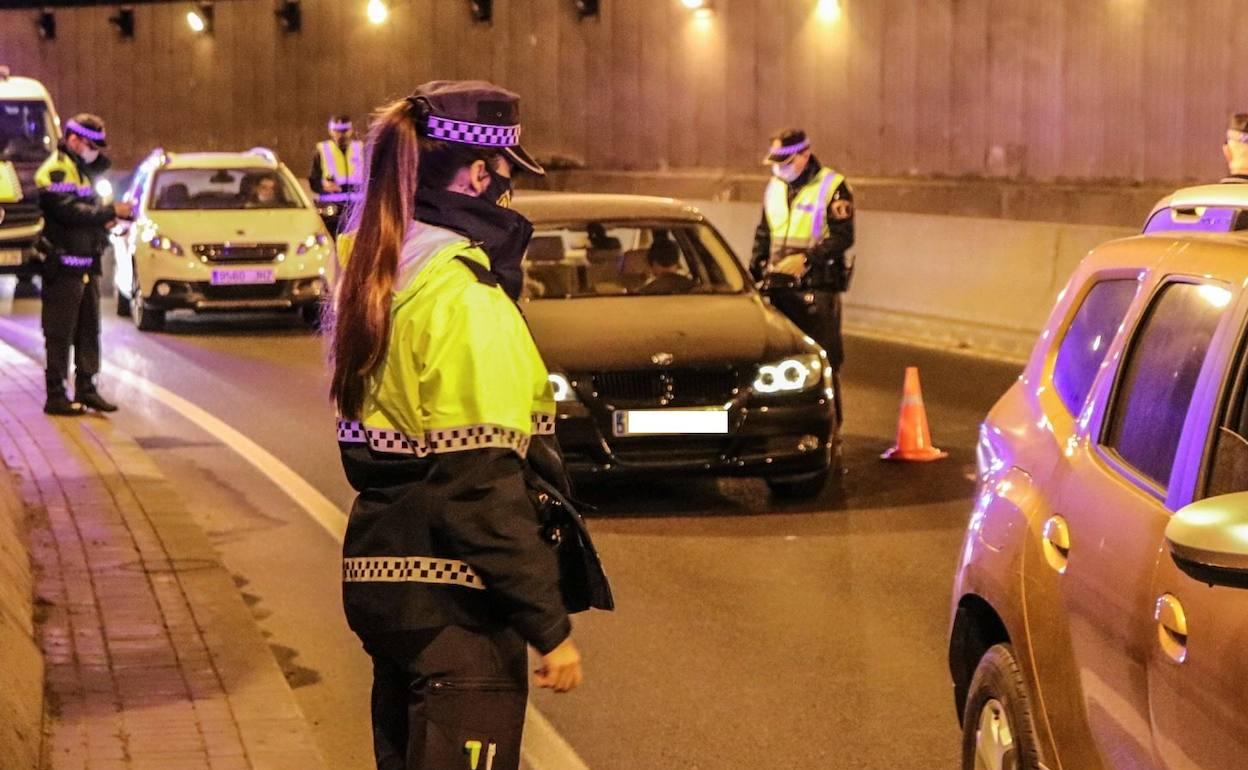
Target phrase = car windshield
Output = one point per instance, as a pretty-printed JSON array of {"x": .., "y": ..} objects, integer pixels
[
  {"x": 604, "y": 258},
  {"x": 26, "y": 131},
  {"x": 222, "y": 188}
]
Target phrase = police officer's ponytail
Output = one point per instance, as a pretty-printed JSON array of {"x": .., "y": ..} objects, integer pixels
[{"x": 378, "y": 224}]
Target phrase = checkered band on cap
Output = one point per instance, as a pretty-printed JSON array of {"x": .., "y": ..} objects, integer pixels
[
  {"x": 1237, "y": 136},
  {"x": 480, "y": 134},
  {"x": 336, "y": 126},
  {"x": 84, "y": 132},
  {"x": 784, "y": 152}
]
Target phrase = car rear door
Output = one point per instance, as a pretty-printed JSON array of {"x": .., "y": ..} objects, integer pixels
[
  {"x": 1108, "y": 526},
  {"x": 1198, "y": 663}
]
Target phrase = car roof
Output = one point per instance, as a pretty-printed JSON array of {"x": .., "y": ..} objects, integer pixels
[
  {"x": 552, "y": 207},
  {"x": 23, "y": 88},
  {"x": 1221, "y": 256},
  {"x": 249, "y": 159},
  {"x": 1231, "y": 194}
]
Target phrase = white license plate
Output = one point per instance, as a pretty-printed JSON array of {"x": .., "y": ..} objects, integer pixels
[
  {"x": 236, "y": 277},
  {"x": 671, "y": 422},
  {"x": 10, "y": 257}
]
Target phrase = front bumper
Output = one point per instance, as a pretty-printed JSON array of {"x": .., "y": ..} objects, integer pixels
[
  {"x": 793, "y": 437},
  {"x": 202, "y": 296}
]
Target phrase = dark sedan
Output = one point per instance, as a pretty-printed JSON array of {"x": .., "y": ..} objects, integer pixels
[{"x": 663, "y": 356}]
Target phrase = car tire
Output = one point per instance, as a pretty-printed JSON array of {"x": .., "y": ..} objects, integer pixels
[
  {"x": 146, "y": 319},
  {"x": 801, "y": 487},
  {"x": 998, "y": 731},
  {"x": 311, "y": 316}
]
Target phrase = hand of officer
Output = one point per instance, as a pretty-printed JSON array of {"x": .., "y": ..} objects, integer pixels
[
  {"x": 561, "y": 668},
  {"x": 794, "y": 265},
  {"x": 123, "y": 210},
  {"x": 332, "y": 186}
]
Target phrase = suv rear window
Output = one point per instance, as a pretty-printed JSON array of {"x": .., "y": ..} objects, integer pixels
[
  {"x": 1088, "y": 338},
  {"x": 1160, "y": 375}
]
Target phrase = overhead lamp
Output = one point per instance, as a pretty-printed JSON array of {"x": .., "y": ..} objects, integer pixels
[
  {"x": 124, "y": 22},
  {"x": 200, "y": 20},
  {"x": 828, "y": 10},
  {"x": 377, "y": 12},
  {"x": 586, "y": 8},
  {"x": 702, "y": 9},
  {"x": 482, "y": 10},
  {"x": 45, "y": 23},
  {"x": 289, "y": 15}
]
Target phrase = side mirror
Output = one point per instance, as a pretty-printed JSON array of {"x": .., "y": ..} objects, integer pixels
[{"x": 1208, "y": 540}]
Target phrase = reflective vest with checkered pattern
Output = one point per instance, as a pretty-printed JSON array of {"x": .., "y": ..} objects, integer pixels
[
  {"x": 803, "y": 224},
  {"x": 339, "y": 167}
]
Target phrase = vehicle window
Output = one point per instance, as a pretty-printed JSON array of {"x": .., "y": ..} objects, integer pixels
[
  {"x": 595, "y": 259},
  {"x": 1203, "y": 219},
  {"x": 1160, "y": 375},
  {"x": 1088, "y": 338},
  {"x": 26, "y": 131},
  {"x": 222, "y": 188},
  {"x": 1227, "y": 470}
]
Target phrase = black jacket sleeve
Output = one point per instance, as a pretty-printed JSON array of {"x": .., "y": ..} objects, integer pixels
[
  {"x": 840, "y": 235},
  {"x": 316, "y": 179},
  {"x": 489, "y": 522},
  {"x": 762, "y": 248},
  {"x": 69, "y": 210}
]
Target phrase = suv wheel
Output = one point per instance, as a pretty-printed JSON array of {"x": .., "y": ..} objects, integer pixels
[
  {"x": 997, "y": 728},
  {"x": 147, "y": 319}
]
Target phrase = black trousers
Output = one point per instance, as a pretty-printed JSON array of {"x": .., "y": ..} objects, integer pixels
[
  {"x": 448, "y": 699},
  {"x": 817, "y": 312},
  {"x": 71, "y": 319}
]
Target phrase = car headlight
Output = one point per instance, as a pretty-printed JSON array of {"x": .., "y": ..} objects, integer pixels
[
  {"x": 161, "y": 243},
  {"x": 313, "y": 241},
  {"x": 792, "y": 375},
  {"x": 562, "y": 388}
]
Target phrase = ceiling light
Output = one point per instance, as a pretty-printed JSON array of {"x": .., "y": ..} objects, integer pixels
[
  {"x": 200, "y": 20},
  {"x": 828, "y": 10},
  {"x": 482, "y": 10},
  {"x": 45, "y": 23},
  {"x": 124, "y": 22},
  {"x": 586, "y": 8},
  {"x": 289, "y": 15},
  {"x": 377, "y": 12}
]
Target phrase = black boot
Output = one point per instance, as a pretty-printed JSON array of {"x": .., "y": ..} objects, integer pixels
[
  {"x": 59, "y": 404},
  {"x": 91, "y": 399}
]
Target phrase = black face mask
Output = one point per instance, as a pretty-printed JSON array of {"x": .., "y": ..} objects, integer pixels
[
  {"x": 499, "y": 190},
  {"x": 503, "y": 233}
]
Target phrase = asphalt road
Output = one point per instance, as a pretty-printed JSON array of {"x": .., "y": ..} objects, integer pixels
[{"x": 749, "y": 634}]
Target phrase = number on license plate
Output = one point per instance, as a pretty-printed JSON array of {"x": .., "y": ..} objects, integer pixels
[
  {"x": 236, "y": 277},
  {"x": 671, "y": 422},
  {"x": 10, "y": 257}
]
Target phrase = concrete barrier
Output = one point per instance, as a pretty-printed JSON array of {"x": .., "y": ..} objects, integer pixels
[
  {"x": 21, "y": 663},
  {"x": 985, "y": 285}
]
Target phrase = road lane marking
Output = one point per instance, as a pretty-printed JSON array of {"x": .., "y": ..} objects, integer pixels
[{"x": 543, "y": 747}]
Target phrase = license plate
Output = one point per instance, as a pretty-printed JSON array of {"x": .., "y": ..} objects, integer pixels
[
  {"x": 671, "y": 422},
  {"x": 236, "y": 277},
  {"x": 10, "y": 257}
]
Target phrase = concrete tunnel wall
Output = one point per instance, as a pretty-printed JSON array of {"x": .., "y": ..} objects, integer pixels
[{"x": 985, "y": 285}]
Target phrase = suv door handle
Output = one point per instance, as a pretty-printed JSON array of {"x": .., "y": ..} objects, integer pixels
[
  {"x": 1171, "y": 627},
  {"x": 1056, "y": 543}
]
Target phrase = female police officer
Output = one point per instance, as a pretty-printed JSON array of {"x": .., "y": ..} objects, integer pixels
[{"x": 440, "y": 390}]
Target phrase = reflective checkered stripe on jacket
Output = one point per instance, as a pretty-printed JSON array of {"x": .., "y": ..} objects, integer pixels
[
  {"x": 390, "y": 441},
  {"x": 70, "y": 180},
  {"x": 410, "y": 569}
]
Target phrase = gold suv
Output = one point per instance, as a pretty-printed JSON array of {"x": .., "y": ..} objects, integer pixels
[{"x": 1100, "y": 606}]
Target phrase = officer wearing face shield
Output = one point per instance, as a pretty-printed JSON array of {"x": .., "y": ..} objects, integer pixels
[
  {"x": 76, "y": 223},
  {"x": 800, "y": 258},
  {"x": 443, "y": 399}
]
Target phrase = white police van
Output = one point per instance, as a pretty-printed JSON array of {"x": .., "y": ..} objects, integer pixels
[{"x": 29, "y": 132}]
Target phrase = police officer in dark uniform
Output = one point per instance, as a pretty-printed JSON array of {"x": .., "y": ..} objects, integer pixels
[
  {"x": 76, "y": 223},
  {"x": 1236, "y": 149},
  {"x": 800, "y": 246}
]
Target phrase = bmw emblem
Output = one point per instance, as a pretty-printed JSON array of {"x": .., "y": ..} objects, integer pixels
[{"x": 662, "y": 359}]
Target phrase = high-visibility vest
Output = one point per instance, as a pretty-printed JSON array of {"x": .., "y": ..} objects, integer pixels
[
  {"x": 803, "y": 224},
  {"x": 10, "y": 183},
  {"x": 442, "y": 387},
  {"x": 60, "y": 174},
  {"x": 339, "y": 167}
]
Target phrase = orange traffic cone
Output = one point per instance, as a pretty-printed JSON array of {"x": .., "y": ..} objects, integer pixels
[{"x": 914, "y": 439}]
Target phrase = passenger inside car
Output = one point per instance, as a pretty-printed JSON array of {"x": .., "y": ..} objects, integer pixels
[{"x": 667, "y": 273}]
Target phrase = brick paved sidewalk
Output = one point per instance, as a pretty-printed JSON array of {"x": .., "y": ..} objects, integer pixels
[{"x": 153, "y": 660}]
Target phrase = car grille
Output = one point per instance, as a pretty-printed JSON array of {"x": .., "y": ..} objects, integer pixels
[
  {"x": 671, "y": 387},
  {"x": 19, "y": 214},
  {"x": 229, "y": 252},
  {"x": 242, "y": 292}
]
